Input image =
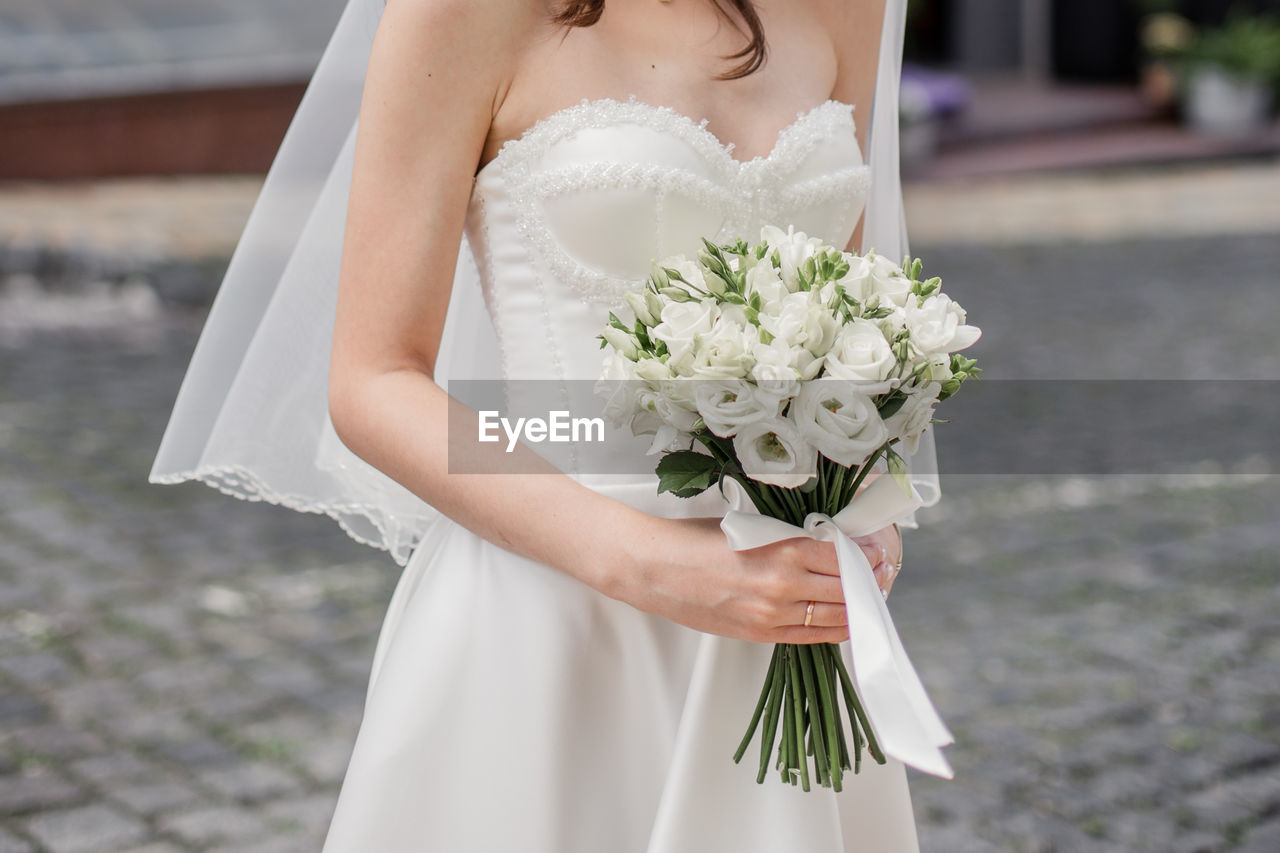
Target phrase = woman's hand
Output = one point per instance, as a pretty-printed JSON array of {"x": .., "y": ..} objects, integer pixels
[
  {"x": 884, "y": 552},
  {"x": 685, "y": 571}
]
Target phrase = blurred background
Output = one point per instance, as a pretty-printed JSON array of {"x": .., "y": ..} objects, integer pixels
[{"x": 1098, "y": 181}]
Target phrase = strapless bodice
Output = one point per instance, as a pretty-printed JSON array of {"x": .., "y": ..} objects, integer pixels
[{"x": 566, "y": 218}]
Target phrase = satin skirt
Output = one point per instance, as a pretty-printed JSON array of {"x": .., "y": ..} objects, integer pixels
[{"x": 512, "y": 708}]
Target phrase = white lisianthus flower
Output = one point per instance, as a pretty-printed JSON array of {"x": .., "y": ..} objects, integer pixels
[
  {"x": 937, "y": 325},
  {"x": 909, "y": 422},
  {"x": 775, "y": 361},
  {"x": 889, "y": 281},
  {"x": 724, "y": 352},
  {"x": 793, "y": 247},
  {"x": 862, "y": 354},
  {"x": 774, "y": 452},
  {"x": 727, "y": 405},
  {"x": 839, "y": 420},
  {"x": 766, "y": 281},
  {"x": 682, "y": 323}
]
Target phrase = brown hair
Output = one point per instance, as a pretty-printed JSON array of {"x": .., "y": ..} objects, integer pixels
[{"x": 585, "y": 13}]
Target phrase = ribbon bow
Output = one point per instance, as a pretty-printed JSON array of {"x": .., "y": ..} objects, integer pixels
[{"x": 905, "y": 722}]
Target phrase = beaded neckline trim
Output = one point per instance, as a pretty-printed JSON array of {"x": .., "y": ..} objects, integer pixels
[{"x": 608, "y": 110}]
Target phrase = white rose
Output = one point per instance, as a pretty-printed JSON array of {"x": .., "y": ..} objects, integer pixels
[
  {"x": 801, "y": 319},
  {"x": 774, "y": 452},
  {"x": 727, "y": 405},
  {"x": 682, "y": 323},
  {"x": 938, "y": 325},
  {"x": 681, "y": 392},
  {"x": 889, "y": 281},
  {"x": 857, "y": 281},
  {"x": 724, "y": 352},
  {"x": 909, "y": 422},
  {"x": 775, "y": 361},
  {"x": 662, "y": 416},
  {"x": 618, "y": 388},
  {"x": 764, "y": 280},
  {"x": 793, "y": 247},
  {"x": 862, "y": 354},
  {"x": 839, "y": 420}
]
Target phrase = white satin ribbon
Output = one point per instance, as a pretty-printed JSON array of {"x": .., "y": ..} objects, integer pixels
[{"x": 904, "y": 720}]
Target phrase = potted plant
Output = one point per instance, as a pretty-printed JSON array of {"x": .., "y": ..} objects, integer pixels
[
  {"x": 1164, "y": 35},
  {"x": 1231, "y": 75}
]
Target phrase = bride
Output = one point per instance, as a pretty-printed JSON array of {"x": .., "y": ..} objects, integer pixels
[{"x": 543, "y": 680}]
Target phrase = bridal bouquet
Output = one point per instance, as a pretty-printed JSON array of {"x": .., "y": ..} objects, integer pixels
[{"x": 813, "y": 367}]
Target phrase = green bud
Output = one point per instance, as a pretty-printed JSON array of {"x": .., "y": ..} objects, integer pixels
[
  {"x": 640, "y": 307},
  {"x": 658, "y": 276},
  {"x": 653, "y": 303}
]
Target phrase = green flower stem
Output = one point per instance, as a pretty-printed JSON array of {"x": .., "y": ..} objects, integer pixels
[
  {"x": 797, "y": 713},
  {"x": 831, "y": 717},
  {"x": 862, "y": 475},
  {"x": 815, "y": 718},
  {"x": 774, "y": 710},
  {"x": 788, "y": 733},
  {"x": 837, "y": 490},
  {"x": 855, "y": 707},
  {"x": 755, "y": 716},
  {"x": 832, "y": 652}
]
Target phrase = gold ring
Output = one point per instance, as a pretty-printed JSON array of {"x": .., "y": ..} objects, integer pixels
[{"x": 808, "y": 614}]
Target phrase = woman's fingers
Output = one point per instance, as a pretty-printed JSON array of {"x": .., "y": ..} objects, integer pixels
[
  {"x": 824, "y": 615},
  {"x": 806, "y": 636},
  {"x": 811, "y": 586}
]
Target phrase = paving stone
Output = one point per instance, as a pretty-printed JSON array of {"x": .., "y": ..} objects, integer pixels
[
  {"x": 21, "y": 793},
  {"x": 1263, "y": 838},
  {"x": 150, "y": 798},
  {"x": 250, "y": 781},
  {"x": 113, "y": 767},
  {"x": 82, "y": 830},
  {"x": 54, "y": 740},
  {"x": 10, "y": 843},
  {"x": 214, "y": 825},
  {"x": 37, "y": 669}
]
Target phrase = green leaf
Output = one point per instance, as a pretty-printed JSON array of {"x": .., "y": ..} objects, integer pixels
[
  {"x": 686, "y": 473},
  {"x": 898, "y": 470}
]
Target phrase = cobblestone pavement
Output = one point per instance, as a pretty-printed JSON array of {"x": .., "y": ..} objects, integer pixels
[{"x": 181, "y": 671}]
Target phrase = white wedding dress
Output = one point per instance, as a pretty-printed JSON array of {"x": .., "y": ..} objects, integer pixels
[{"x": 512, "y": 708}]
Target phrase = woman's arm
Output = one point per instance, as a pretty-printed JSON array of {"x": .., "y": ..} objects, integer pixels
[
  {"x": 436, "y": 76},
  {"x": 857, "y": 26}
]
